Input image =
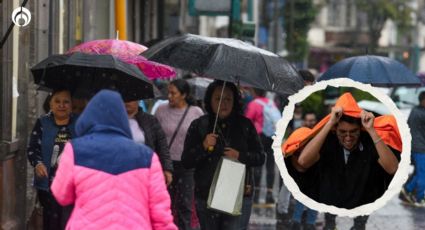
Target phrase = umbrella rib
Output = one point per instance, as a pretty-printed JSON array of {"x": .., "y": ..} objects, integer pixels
[
  {"x": 387, "y": 74},
  {"x": 219, "y": 105},
  {"x": 267, "y": 69},
  {"x": 213, "y": 57}
]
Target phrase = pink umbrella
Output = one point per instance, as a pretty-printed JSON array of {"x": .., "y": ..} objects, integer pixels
[
  {"x": 128, "y": 52},
  {"x": 109, "y": 46},
  {"x": 151, "y": 69}
]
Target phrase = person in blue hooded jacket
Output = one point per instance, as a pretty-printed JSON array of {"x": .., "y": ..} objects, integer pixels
[
  {"x": 114, "y": 182},
  {"x": 48, "y": 137}
]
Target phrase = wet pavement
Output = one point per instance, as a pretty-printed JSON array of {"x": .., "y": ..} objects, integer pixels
[{"x": 394, "y": 215}]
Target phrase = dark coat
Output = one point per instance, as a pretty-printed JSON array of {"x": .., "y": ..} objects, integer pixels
[
  {"x": 40, "y": 147},
  {"x": 237, "y": 132},
  {"x": 155, "y": 138},
  {"x": 345, "y": 185}
]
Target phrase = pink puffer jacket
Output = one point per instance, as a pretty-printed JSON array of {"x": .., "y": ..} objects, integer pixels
[{"x": 136, "y": 199}]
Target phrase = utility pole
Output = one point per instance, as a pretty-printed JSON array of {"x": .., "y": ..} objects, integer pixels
[
  {"x": 234, "y": 18},
  {"x": 291, "y": 27},
  {"x": 276, "y": 16},
  {"x": 230, "y": 33}
]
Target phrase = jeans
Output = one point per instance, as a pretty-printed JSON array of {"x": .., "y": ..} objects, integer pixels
[
  {"x": 417, "y": 181},
  {"x": 214, "y": 220},
  {"x": 283, "y": 199},
  {"x": 298, "y": 213},
  {"x": 182, "y": 195}
]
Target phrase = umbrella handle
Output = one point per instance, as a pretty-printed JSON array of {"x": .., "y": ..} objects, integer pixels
[{"x": 211, "y": 148}]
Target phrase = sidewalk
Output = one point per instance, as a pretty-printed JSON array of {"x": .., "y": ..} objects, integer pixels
[{"x": 393, "y": 216}]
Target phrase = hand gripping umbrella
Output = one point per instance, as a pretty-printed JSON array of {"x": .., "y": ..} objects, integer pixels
[{"x": 93, "y": 72}]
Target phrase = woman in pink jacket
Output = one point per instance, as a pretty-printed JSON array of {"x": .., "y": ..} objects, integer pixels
[{"x": 113, "y": 182}]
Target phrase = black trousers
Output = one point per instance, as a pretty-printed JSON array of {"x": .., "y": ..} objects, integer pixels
[
  {"x": 359, "y": 222},
  {"x": 55, "y": 216},
  {"x": 270, "y": 165},
  {"x": 182, "y": 196}
]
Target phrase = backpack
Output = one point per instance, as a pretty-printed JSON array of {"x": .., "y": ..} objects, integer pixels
[{"x": 271, "y": 115}]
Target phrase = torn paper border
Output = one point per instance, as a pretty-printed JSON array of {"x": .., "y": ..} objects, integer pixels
[{"x": 400, "y": 176}]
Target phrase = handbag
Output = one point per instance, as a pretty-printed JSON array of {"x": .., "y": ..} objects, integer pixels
[
  {"x": 35, "y": 220},
  {"x": 248, "y": 188},
  {"x": 227, "y": 188},
  {"x": 178, "y": 126}
]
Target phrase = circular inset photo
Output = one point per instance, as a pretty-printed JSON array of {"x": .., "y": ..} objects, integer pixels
[{"x": 342, "y": 147}]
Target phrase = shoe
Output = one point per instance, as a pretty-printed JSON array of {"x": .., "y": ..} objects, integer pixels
[
  {"x": 358, "y": 227},
  {"x": 360, "y": 223},
  {"x": 256, "y": 199},
  {"x": 270, "y": 198},
  {"x": 329, "y": 227},
  {"x": 309, "y": 227},
  {"x": 407, "y": 197},
  {"x": 283, "y": 220},
  {"x": 420, "y": 204},
  {"x": 330, "y": 222},
  {"x": 295, "y": 226}
]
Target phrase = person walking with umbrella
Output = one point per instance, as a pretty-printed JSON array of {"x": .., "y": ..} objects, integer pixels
[
  {"x": 175, "y": 118},
  {"x": 223, "y": 131},
  {"x": 48, "y": 137}
]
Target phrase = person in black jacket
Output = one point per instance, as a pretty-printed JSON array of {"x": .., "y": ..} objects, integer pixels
[
  {"x": 234, "y": 137},
  {"x": 145, "y": 128}
]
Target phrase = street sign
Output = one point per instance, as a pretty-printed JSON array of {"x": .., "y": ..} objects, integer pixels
[{"x": 219, "y": 7}]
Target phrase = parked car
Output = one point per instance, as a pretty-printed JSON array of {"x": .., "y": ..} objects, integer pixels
[
  {"x": 406, "y": 98},
  {"x": 378, "y": 108}
]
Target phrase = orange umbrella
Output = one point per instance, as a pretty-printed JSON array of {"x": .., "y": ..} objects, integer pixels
[{"x": 385, "y": 126}]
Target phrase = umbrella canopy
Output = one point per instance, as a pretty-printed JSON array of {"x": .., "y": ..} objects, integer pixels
[
  {"x": 374, "y": 70},
  {"x": 109, "y": 46},
  {"x": 199, "y": 86},
  {"x": 128, "y": 52},
  {"x": 151, "y": 69},
  {"x": 229, "y": 60},
  {"x": 92, "y": 72}
]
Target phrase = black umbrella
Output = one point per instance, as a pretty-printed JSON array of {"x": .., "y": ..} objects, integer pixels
[
  {"x": 198, "y": 86},
  {"x": 93, "y": 73},
  {"x": 229, "y": 60}
]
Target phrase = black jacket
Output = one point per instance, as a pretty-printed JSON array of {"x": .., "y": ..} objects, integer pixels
[
  {"x": 345, "y": 185},
  {"x": 155, "y": 138},
  {"x": 237, "y": 132}
]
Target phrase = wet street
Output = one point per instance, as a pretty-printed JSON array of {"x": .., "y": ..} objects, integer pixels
[{"x": 393, "y": 215}]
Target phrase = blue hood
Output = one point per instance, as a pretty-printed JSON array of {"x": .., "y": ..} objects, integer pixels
[
  {"x": 104, "y": 139},
  {"x": 105, "y": 112}
]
